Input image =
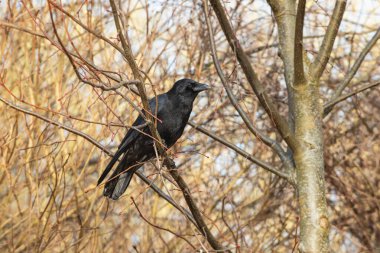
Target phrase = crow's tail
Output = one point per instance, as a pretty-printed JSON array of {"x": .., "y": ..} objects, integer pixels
[
  {"x": 109, "y": 167},
  {"x": 119, "y": 181}
]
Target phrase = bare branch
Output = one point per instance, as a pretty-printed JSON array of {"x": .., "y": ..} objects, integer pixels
[
  {"x": 195, "y": 211},
  {"x": 86, "y": 61},
  {"x": 324, "y": 53},
  {"x": 243, "y": 153},
  {"x": 330, "y": 105},
  {"x": 357, "y": 64},
  {"x": 255, "y": 50},
  {"x": 299, "y": 72},
  {"x": 98, "y": 35},
  {"x": 161, "y": 148},
  {"x": 159, "y": 227},
  {"x": 101, "y": 86},
  {"x": 265, "y": 101},
  {"x": 127, "y": 53},
  {"x": 285, "y": 16},
  {"x": 6, "y": 24},
  {"x": 268, "y": 141}
]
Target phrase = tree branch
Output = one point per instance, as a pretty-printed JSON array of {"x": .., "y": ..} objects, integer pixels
[
  {"x": 86, "y": 61},
  {"x": 357, "y": 64},
  {"x": 243, "y": 153},
  {"x": 101, "y": 86},
  {"x": 265, "y": 101},
  {"x": 161, "y": 148},
  {"x": 285, "y": 16},
  {"x": 330, "y": 105},
  {"x": 159, "y": 227},
  {"x": 299, "y": 72},
  {"x": 127, "y": 53},
  {"x": 7, "y": 24},
  {"x": 196, "y": 212},
  {"x": 98, "y": 35},
  {"x": 266, "y": 140},
  {"x": 324, "y": 53}
]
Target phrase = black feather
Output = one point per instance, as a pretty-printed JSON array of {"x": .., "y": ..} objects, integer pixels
[{"x": 173, "y": 112}]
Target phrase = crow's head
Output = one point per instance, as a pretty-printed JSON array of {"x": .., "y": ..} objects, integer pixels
[{"x": 188, "y": 88}]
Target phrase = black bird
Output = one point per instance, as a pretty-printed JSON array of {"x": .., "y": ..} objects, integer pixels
[{"x": 173, "y": 112}]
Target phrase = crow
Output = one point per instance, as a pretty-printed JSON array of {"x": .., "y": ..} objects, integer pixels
[{"x": 172, "y": 112}]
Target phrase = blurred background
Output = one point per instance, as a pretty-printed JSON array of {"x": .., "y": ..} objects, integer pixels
[{"x": 49, "y": 201}]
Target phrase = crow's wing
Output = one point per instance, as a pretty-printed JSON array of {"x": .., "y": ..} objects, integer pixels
[
  {"x": 128, "y": 139},
  {"x": 132, "y": 135}
]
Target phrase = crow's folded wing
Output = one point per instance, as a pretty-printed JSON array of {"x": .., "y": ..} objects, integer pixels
[{"x": 131, "y": 136}]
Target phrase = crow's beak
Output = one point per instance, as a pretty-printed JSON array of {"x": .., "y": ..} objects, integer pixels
[{"x": 201, "y": 87}]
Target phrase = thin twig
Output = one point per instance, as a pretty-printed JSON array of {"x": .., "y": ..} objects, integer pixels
[
  {"x": 96, "y": 34},
  {"x": 101, "y": 86},
  {"x": 243, "y": 153},
  {"x": 23, "y": 29},
  {"x": 159, "y": 227},
  {"x": 225, "y": 222},
  {"x": 85, "y": 61},
  {"x": 329, "y": 106},
  {"x": 357, "y": 64}
]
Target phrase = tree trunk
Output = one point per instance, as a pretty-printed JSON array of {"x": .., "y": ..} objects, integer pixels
[
  {"x": 314, "y": 224},
  {"x": 305, "y": 108}
]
